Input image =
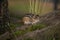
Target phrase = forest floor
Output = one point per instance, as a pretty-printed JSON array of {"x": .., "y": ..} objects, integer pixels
[
  {"x": 47, "y": 20},
  {"x": 49, "y": 24}
]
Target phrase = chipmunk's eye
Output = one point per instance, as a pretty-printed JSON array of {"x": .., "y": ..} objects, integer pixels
[{"x": 37, "y": 15}]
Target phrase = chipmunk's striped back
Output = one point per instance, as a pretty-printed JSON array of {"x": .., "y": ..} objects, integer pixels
[{"x": 30, "y": 19}]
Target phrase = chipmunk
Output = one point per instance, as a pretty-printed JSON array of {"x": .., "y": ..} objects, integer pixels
[
  {"x": 35, "y": 19},
  {"x": 26, "y": 20},
  {"x": 30, "y": 19}
]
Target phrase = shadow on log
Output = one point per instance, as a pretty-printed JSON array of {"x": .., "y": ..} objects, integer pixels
[{"x": 4, "y": 36}]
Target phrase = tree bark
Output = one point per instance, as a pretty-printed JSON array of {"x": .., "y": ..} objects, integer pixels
[
  {"x": 4, "y": 17},
  {"x": 56, "y": 4}
]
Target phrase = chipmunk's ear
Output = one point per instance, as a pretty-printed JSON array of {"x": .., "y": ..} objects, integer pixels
[{"x": 37, "y": 15}]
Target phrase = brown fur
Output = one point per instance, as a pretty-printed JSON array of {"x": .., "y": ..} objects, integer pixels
[{"x": 30, "y": 20}]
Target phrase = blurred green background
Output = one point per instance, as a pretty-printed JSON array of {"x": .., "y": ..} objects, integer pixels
[{"x": 20, "y": 7}]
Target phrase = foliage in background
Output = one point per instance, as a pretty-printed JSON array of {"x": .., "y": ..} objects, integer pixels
[{"x": 23, "y": 6}]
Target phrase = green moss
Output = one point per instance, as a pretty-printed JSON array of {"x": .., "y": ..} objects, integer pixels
[
  {"x": 12, "y": 26},
  {"x": 19, "y": 32},
  {"x": 37, "y": 26},
  {"x": 32, "y": 28}
]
